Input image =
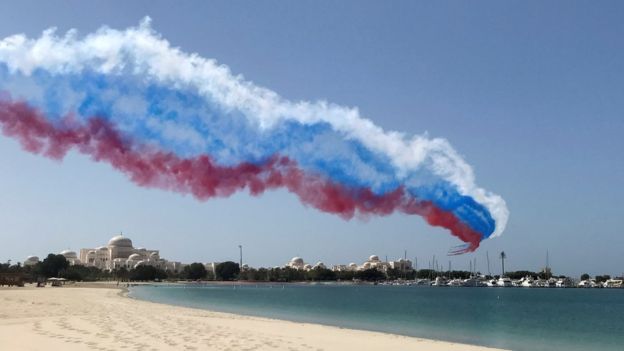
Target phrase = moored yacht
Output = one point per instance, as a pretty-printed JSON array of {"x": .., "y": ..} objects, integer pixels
[
  {"x": 455, "y": 282},
  {"x": 439, "y": 281},
  {"x": 613, "y": 283},
  {"x": 472, "y": 282},
  {"x": 526, "y": 282},
  {"x": 491, "y": 283},
  {"x": 589, "y": 283},
  {"x": 504, "y": 282},
  {"x": 540, "y": 283}
]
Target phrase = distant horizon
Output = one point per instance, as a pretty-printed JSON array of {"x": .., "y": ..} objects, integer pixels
[
  {"x": 530, "y": 95},
  {"x": 423, "y": 264}
]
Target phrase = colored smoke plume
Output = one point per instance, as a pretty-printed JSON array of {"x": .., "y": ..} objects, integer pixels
[
  {"x": 203, "y": 179},
  {"x": 181, "y": 122}
]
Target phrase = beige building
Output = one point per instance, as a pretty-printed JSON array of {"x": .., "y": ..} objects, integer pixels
[
  {"x": 71, "y": 257},
  {"x": 401, "y": 264},
  {"x": 118, "y": 253},
  {"x": 373, "y": 262},
  {"x": 296, "y": 263},
  {"x": 31, "y": 261},
  {"x": 351, "y": 267}
]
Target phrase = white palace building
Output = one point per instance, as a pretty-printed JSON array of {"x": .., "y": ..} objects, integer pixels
[
  {"x": 120, "y": 253},
  {"x": 117, "y": 254}
]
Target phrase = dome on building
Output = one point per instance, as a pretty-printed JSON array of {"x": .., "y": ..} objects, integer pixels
[
  {"x": 307, "y": 266},
  {"x": 102, "y": 248},
  {"x": 367, "y": 265},
  {"x": 319, "y": 264},
  {"x": 297, "y": 260},
  {"x": 135, "y": 257},
  {"x": 69, "y": 254},
  {"x": 31, "y": 261},
  {"x": 120, "y": 241},
  {"x": 373, "y": 258},
  {"x": 352, "y": 265},
  {"x": 154, "y": 256}
]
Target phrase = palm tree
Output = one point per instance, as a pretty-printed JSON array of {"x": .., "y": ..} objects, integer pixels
[{"x": 502, "y": 257}]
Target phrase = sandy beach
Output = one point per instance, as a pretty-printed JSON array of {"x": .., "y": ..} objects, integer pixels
[{"x": 103, "y": 318}]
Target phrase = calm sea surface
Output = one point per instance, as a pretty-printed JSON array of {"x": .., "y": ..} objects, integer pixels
[{"x": 512, "y": 318}]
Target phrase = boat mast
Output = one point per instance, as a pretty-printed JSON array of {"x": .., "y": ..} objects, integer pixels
[
  {"x": 488, "y": 262},
  {"x": 474, "y": 266},
  {"x": 548, "y": 270}
]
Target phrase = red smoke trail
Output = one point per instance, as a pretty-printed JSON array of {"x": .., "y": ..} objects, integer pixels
[{"x": 204, "y": 179}]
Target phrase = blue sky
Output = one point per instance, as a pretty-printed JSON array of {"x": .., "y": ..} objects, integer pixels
[{"x": 532, "y": 94}]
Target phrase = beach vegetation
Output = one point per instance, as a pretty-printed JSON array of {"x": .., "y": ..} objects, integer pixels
[
  {"x": 286, "y": 274},
  {"x": 52, "y": 266},
  {"x": 426, "y": 274},
  {"x": 195, "y": 271},
  {"x": 82, "y": 273},
  {"x": 345, "y": 275},
  {"x": 147, "y": 273},
  {"x": 121, "y": 274},
  {"x": 227, "y": 270},
  {"x": 371, "y": 275},
  {"x": 9, "y": 268},
  {"x": 320, "y": 274},
  {"x": 393, "y": 273},
  {"x": 289, "y": 274},
  {"x": 258, "y": 275}
]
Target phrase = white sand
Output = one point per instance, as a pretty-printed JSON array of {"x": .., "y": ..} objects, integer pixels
[{"x": 102, "y": 319}]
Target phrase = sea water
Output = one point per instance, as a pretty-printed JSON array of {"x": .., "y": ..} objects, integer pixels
[{"x": 511, "y": 318}]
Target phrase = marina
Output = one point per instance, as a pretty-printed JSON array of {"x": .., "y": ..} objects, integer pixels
[{"x": 526, "y": 282}]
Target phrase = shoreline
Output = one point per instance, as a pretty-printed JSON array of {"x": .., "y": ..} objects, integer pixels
[{"x": 101, "y": 316}]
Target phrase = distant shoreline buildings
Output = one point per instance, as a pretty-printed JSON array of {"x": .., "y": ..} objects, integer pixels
[
  {"x": 118, "y": 253},
  {"x": 373, "y": 262}
]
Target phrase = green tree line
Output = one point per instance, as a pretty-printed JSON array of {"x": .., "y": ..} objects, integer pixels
[{"x": 57, "y": 266}]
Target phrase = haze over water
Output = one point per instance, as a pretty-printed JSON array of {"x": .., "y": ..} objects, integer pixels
[{"x": 518, "y": 319}]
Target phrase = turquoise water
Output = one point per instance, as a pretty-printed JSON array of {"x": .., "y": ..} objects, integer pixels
[{"x": 512, "y": 318}]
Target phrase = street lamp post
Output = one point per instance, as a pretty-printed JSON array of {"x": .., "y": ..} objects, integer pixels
[{"x": 240, "y": 247}]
